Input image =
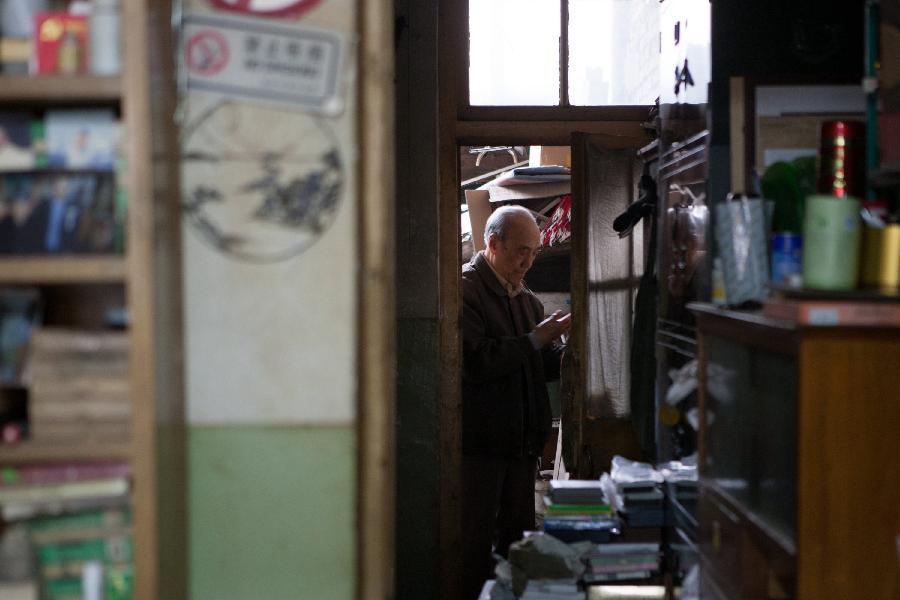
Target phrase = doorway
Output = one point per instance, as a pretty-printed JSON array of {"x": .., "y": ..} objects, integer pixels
[{"x": 429, "y": 344}]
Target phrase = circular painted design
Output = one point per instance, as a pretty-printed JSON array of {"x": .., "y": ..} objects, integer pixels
[
  {"x": 260, "y": 184},
  {"x": 267, "y": 8},
  {"x": 206, "y": 52}
]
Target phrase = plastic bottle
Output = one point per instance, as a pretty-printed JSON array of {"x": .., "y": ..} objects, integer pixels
[
  {"x": 105, "y": 50},
  {"x": 69, "y": 54}
]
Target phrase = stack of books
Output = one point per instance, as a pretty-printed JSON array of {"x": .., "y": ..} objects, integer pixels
[
  {"x": 79, "y": 387},
  {"x": 577, "y": 511},
  {"x": 617, "y": 562},
  {"x": 644, "y": 503},
  {"x": 77, "y": 518}
]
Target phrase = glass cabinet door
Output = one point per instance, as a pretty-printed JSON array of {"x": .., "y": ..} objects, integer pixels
[{"x": 752, "y": 428}]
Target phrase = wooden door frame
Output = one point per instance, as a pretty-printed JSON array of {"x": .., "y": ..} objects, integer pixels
[{"x": 376, "y": 305}]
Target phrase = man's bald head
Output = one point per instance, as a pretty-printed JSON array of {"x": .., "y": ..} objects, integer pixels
[{"x": 502, "y": 220}]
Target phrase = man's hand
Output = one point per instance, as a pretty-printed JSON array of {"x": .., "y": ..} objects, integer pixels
[{"x": 552, "y": 327}]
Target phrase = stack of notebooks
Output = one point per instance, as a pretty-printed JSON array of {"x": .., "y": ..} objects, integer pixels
[
  {"x": 617, "y": 562},
  {"x": 644, "y": 503},
  {"x": 578, "y": 511}
]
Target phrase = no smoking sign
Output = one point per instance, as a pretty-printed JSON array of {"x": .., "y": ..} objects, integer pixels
[
  {"x": 206, "y": 52},
  {"x": 291, "y": 65},
  {"x": 267, "y": 8}
]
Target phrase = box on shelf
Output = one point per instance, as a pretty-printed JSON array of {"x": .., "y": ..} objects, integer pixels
[
  {"x": 15, "y": 55},
  {"x": 60, "y": 43}
]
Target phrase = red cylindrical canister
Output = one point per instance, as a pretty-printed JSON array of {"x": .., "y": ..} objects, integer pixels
[{"x": 842, "y": 151}]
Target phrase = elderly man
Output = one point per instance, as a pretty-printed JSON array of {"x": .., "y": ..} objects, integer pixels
[{"x": 508, "y": 356}]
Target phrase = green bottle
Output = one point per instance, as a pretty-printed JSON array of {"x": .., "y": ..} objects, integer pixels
[{"x": 781, "y": 183}]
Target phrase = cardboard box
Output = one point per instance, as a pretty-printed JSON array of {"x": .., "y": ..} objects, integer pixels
[
  {"x": 541, "y": 156},
  {"x": 479, "y": 203}
]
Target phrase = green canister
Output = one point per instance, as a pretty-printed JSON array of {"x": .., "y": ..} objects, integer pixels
[{"x": 831, "y": 243}]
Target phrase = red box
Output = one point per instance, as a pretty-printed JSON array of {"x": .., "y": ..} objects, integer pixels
[{"x": 60, "y": 43}]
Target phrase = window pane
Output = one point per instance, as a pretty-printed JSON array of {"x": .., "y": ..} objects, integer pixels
[
  {"x": 514, "y": 52},
  {"x": 613, "y": 52}
]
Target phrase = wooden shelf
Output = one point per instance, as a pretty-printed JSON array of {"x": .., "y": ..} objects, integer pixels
[
  {"x": 28, "y": 451},
  {"x": 55, "y": 89},
  {"x": 69, "y": 269}
]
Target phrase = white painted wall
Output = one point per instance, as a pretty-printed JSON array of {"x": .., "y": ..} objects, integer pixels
[{"x": 275, "y": 343}]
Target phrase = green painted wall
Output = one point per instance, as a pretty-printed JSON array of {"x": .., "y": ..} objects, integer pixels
[{"x": 272, "y": 512}]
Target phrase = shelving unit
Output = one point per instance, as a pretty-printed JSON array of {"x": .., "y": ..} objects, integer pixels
[
  {"x": 38, "y": 270},
  {"x": 32, "y": 452},
  {"x": 60, "y": 89},
  {"x": 790, "y": 499},
  {"x": 146, "y": 278}
]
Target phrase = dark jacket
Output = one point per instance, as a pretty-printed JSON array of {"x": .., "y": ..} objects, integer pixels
[{"x": 505, "y": 405}]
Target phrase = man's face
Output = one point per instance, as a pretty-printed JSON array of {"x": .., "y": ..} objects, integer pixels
[{"x": 513, "y": 256}]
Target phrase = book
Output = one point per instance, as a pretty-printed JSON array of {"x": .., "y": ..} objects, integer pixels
[
  {"x": 19, "y": 314},
  {"x": 625, "y": 549},
  {"x": 70, "y": 490},
  {"x": 84, "y": 347},
  {"x": 600, "y": 577},
  {"x": 63, "y": 432},
  {"x": 82, "y": 138},
  {"x": 576, "y": 491},
  {"x": 118, "y": 584},
  {"x": 75, "y": 409},
  {"x": 534, "y": 175},
  {"x": 824, "y": 313},
  {"x": 652, "y": 565},
  {"x": 27, "y": 501},
  {"x": 15, "y": 140},
  {"x": 66, "y": 558},
  {"x": 60, "y": 43},
  {"x": 598, "y": 529},
  {"x": 91, "y": 524},
  {"x": 53, "y": 473},
  {"x": 58, "y": 213},
  {"x": 18, "y": 511},
  {"x": 623, "y": 559},
  {"x": 559, "y": 508}
]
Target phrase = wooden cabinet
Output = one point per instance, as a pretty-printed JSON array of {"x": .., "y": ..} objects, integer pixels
[
  {"x": 798, "y": 452},
  {"x": 145, "y": 280}
]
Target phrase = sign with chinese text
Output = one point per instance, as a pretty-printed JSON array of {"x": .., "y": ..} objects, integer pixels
[{"x": 247, "y": 58}]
